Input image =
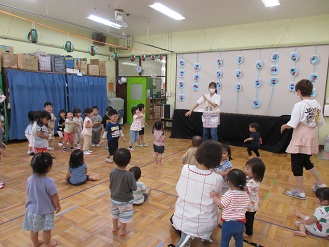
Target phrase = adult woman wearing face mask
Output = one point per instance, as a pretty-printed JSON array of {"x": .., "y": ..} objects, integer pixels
[{"x": 210, "y": 117}]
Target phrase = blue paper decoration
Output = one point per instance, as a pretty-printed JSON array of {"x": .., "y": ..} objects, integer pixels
[
  {"x": 258, "y": 83},
  {"x": 292, "y": 86},
  {"x": 314, "y": 59},
  {"x": 239, "y": 59},
  {"x": 195, "y": 87},
  {"x": 181, "y": 63},
  {"x": 273, "y": 81},
  {"x": 219, "y": 62},
  {"x": 255, "y": 103},
  {"x": 238, "y": 87},
  {"x": 181, "y": 84},
  {"x": 219, "y": 74},
  {"x": 293, "y": 71},
  {"x": 274, "y": 70},
  {"x": 259, "y": 64},
  {"x": 218, "y": 85},
  {"x": 314, "y": 77},
  {"x": 238, "y": 73},
  {"x": 139, "y": 69},
  {"x": 196, "y": 77},
  {"x": 181, "y": 74},
  {"x": 275, "y": 57},
  {"x": 314, "y": 93},
  {"x": 196, "y": 67},
  {"x": 294, "y": 56},
  {"x": 181, "y": 97}
]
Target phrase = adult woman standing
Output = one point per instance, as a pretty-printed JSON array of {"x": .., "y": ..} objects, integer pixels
[{"x": 210, "y": 117}]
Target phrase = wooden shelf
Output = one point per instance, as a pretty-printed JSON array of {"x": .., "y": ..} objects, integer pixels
[{"x": 153, "y": 108}]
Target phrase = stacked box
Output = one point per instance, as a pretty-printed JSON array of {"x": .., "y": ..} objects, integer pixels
[
  {"x": 28, "y": 62},
  {"x": 6, "y": 49},
  {"x": 58, "y": 63},
  {"x": 93, "y": 69},
  {"x": 94, "y": 61},
  {"x": 84, "y": 67},
  {"x": 77, "y": 63},
  {"x": 102, "y": 68},
  {"x": 69, "y": 62},
  {"x": 44, "y": 60},
  {"x": 156, "y": 112},
  {"x": 9, "y": 60}
]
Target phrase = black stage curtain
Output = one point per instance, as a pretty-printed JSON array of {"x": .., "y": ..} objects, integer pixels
[{"x": 234, "y": 129}]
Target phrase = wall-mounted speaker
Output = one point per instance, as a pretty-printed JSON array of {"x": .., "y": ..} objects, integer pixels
[{"x": 98, "y": 37}]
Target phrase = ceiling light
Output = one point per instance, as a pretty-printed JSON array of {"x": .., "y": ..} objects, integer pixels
[
  {"x": 166, "y": 11},
  {"x": 104, "y": 21},
  {"x": 271, "y": 3},
  {"x": 129, "y": 64}
]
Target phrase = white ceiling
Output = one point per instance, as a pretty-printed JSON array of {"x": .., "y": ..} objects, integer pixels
[{"x": 198, "y": 13}]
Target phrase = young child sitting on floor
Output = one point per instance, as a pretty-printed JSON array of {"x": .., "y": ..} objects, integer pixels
[{"x": 142, "y": 192}]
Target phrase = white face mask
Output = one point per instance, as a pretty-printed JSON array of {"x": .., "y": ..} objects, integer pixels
[{"x": 212, "y": 90}]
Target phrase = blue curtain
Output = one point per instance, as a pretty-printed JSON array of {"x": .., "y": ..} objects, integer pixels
[
  {"x": 87, "y": 91},
  {"x": 28, "y": 92}
]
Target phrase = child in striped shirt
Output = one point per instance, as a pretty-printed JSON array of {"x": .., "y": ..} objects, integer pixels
[{"x": 234, "y": 203}]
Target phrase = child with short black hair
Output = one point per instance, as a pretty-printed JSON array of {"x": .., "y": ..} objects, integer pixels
[
  {"x": 135, "y": 127},
  {"x": 234, "y": 204},
  {"x": 78, "y": 128},
  {"x": 255, "y": 170},
  {"x": 69, "y": 131},
  {"x": 61, "y": 125},
  {"x": 122, "y": 185},
  {"x": 141, "y": 142},
  {"x": 142, "y": 192},
  {"x": 225, "y": 166},
  {"x": 112, "y": 132},
  {"x": 254, "y": 139},
  {"x": 42, "y": 201},
  {"x": 41, "y": 132},
  {"x": 106, "y": 117},
  {"x": 48, "y": 106},
  {"x": 87, "y": 131},
  {"x": 97, "y": 127},
  {"x": 189, "y": 156},
  {"x": 28, "y": 130},
  {"x": 77, "y": 172},
  {"x": 158, "y": 144},
  {"x": 318, "y": 224}
]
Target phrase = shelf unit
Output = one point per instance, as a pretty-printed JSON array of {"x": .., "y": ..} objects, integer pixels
[{"x": 153, "y": 108}]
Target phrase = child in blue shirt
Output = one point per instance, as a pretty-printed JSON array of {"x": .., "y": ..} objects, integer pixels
[
  {"x": 113, "y": 131},
  {"x": 225, "y": 166}
]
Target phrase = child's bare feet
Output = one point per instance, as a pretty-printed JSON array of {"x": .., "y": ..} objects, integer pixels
[
  {"x": 40, "y": 242},
  {"x": 115, "y": 229},
  {"x": 297, "y": 213},
  {"x": 122, "y": 233},
  {"x": 298, "y": 233},
  {"x": 52, "y": 243},
  {"x": 246, "y": 235}
]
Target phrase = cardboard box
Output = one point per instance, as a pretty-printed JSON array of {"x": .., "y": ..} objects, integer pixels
[
  {"x": 93, "y": 69},
  {"x": 69, "y": 62},
  {"x": 72, "y": 71},
  {"x": 102, "y": 68},
  {"x": 26, "y": 61},
  {"x": 84, "y": 69},
  {"x": 77, "y": 63},
  {"x": 6, "y": 49},
  {"x": 94, "y": 61},
  {"x": 9, "y": 60}
]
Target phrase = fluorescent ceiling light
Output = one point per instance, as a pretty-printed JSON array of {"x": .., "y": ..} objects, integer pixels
[
  {"x": 271, "y": 3},
  {"x": 166, "y": 11},
  {"x": 129, "y": 64},
  {"x": 104, "y": 21}
]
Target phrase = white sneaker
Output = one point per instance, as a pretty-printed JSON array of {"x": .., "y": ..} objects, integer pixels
[
  {"x": 50, "y": 148},
  {"x": 94, "y": 145},
  {"x": 296, "y": 194},
  {"x": 109, "y": 160},
  {"x": 79, "y": 146},
  {"x": 90, "y": 151},
  {"x": 140, "y": 145},
  {"x": 86, "y": 152},
  {"x": 29, "y": 152},
  {"x": 318, "y": 186},
  {"x": 60, "y": 144},
  {"x": 145, "y": 145},
  {"x": 131, "y": 149},
  {"x": 97, "y": 145}
]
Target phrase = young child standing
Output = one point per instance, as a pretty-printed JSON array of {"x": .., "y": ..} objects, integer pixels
[
  {"x": 61, "y": 126},
  {"x": 106, "y": 119},
  {"x": 112, "y": 132},
  {"x": 142, "y": 192},
  {"x": 77, "y": 172},
  {"x": 234, "y": 204},
  {"x": 87, "y": 131},
  {"x": 41, "y": 132},
  {"x": 97, "y": 127},
  {"x": 122, "y": 185},
  {"x": 69, "y": 131},
  {"x": 78, "y": 128},
  {"x": 42, "y": 201},
  {"x": 225, "y": 166},
  {"x": 318, "y": 224},
  {"x": 305, "y": 119},
  {"x": 28, "y": 130},
  {"x": 141, "y": 142},
  {"x": 48, "y": 106},
  {"x": 158, "y": 144},
  {"x": 135, "y": 127},
  {"x": 255, "y": 170},
  {"x": 254, "y": 139},
  {"x": 189, "y": 156}
]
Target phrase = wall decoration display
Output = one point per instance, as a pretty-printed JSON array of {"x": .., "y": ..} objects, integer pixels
[
  {"x": 314, "y": 93},
  {"x": 257, "y": 92},
  {"x": 181, "y": 97},
  {"x": 195, "y": 87},
  {"x": 92, "y": 50},
  {"x": 239, "y": 59},
  {"x": 139, "y": 69},
  {"x": 115, "y": 56},
  {"x": 196, "y": 77},
  {"x": 160, "y": 57},
  {"x": 197, "y": 67},
  {"x": 294, "y": 56},
  {"x": 181, "y": 84},
  {"x": 274, "y": 70},
  {"x": 259, "y": 64},
  {"x": 132, "y": 57},
  {"x": 238, "y": 73},
  {"x": 181, "y": 74},
  {"x": 152, "y": 57},
  {"x": 32, "y": 36},
  {"x": 293, "y": 71},
  {"x": 143, "y": 57},
  {"x": 219, "y": 74}
]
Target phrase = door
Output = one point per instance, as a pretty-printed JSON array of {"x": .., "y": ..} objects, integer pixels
[{"x": 136, "y": 94}]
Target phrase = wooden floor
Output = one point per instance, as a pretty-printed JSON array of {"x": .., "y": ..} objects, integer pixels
[{"x": 85, "y": 216}]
